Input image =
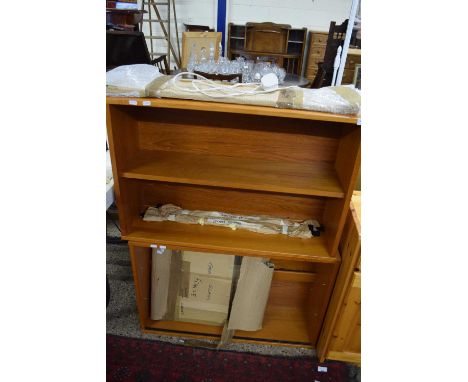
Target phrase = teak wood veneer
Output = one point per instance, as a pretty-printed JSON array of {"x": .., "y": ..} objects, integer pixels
[
  {"x": 238, "y": 159},
  {"x": 340, "y": 338}
]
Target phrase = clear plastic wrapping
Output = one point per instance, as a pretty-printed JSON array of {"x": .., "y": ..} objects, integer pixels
[
  {"x": 130, "y": 80},
  {"x": 335, "y": 99}
]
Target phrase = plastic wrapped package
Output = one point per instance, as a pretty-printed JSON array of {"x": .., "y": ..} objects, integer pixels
[
  {"x": 143, "y": 80},
  {"x": 334, "y": 99},
  {"x": 260, "y": 223},
  {"x": 130, "y": 80},
  {"x": 338, "y": 99}
]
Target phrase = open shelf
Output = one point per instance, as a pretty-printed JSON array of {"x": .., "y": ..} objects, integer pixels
[
  {"x": 312, "y": 179},
  {"x": 284, "y": 322},
  {"x": 225, "y": 240}
]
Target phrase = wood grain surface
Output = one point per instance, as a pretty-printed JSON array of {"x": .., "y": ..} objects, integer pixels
[
  {"x": 225, "y": 240},
  {"x": 312, "y": 178},
  {"x": 232, "y": 108},
  {"x": 246, "y": 202}
]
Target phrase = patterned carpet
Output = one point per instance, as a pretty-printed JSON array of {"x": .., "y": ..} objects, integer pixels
[{"x": 130, "y": 359}]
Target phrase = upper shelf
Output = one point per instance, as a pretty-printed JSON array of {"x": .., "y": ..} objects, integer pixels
[
  {"x": 171, "y": 103},
  {"x": 311, "y": 179}
]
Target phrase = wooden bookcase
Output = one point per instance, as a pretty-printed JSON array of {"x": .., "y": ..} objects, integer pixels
[
  {"x": 290, "y": 56},
  {"x": 238, "y": 159}
]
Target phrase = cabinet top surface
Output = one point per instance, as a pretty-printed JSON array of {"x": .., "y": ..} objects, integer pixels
[{"x": 231, "y": 108}]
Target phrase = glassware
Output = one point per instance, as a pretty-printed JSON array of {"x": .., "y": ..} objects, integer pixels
[
  {"x": 251, "y": 72},
  {"x": 192, "y": 59}
]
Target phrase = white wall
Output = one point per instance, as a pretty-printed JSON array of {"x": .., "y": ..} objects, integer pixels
[
  {"x": 199, "y": 12},
  {"x": 312, "y": 14}
]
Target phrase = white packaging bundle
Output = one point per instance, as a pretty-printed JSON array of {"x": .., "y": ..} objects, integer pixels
[
  {"x": 130, "y": 80},
  {"x": 334, "y": 99}
]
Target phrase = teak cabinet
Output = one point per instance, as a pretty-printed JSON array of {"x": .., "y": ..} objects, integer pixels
[
  {"x": 239, "y": 159},
  {"x": 281, "y": 42}
]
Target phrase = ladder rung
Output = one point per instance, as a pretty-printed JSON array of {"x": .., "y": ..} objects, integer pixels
[
  {"x": 158, "y": 53},
  {"x": 156, "y": 37},
  {"x": 147, "y": 3},
  {"x": 155, "y": 20}
]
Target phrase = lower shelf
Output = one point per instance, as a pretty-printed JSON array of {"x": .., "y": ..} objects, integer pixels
[
  {"x": 284, "y": 323},
  {"x": 224, "y": 240}
]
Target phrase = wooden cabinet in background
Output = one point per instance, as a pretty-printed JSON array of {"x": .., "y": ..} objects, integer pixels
[
  {"x": 317, "y": 45},
  {"x": 316, "y": 52},
  {"x": 341, "y": 334},
  {"x": 279, "y": 41}
]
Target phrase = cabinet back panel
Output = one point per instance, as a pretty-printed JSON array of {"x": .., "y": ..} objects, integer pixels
[
  {"x": 237, "y": 135},
  {"x": 230, "y": 200}
]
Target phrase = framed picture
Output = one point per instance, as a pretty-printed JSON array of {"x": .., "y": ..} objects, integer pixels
[{"x": 357, "y": 76}]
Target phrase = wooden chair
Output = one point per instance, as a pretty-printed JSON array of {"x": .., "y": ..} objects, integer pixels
[
  {"x": 161, "y": 64},
  {"x": 336, "y": 36},
  {"x": 221, "y": 77},
  {"x": 128, "y": 48}
]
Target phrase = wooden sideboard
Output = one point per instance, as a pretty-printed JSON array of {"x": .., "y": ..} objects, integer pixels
[
  {"x": 317, "y": 45},
  {"x": 240, "y": 159},
  {"x": 341, "y": 334},
  {"x": 287, "y": 47}
]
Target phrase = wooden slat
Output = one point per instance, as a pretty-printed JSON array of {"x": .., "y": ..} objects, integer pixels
[
  {"x": 293, "y": 276},
  {"x": 345, "y": 356},
  {"x": 233, "y": 108},
  {"x": 225, "y": 240},
  {"x": 314, "y": 179},
  {"x": 141, "y": 268}
]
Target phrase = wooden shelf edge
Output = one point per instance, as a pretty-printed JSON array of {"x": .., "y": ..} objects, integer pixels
[
  {"x": 172, "y": 103},
  {"x": 189, "y": 336},
  {"x": 172, "y": 235},
  {"x": 344, "y": 356}
]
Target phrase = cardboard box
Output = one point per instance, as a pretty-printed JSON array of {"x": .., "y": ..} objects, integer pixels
[{"x": 211, "y": 289}]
